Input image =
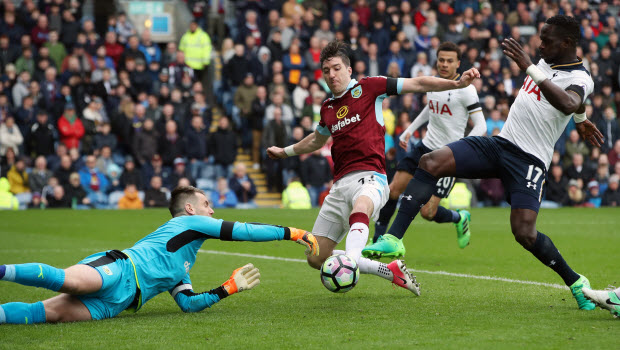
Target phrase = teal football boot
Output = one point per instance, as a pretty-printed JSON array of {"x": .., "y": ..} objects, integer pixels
[{"x": 387, "y": 246}]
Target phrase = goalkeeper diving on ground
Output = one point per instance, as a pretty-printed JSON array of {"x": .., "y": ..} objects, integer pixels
[{"x": 105, "y": 284}]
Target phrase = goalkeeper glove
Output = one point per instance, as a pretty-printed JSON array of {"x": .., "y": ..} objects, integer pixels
[
  {"x": 243, "y": 278},
  {"x": 306, "y": 239}
]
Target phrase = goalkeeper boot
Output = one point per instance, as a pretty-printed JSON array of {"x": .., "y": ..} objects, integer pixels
[
  {"x": 402, "y": 276},
  {"x": 387, "y": 246},
  {"x": 605, "y": 299},
  {"x": 577, "y": 290},
  {"x": 462, "y": 228}
]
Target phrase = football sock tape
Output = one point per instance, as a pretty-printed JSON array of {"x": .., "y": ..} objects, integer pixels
[
  {"x": 446, "y": 215},
  {"x": 36, "y": 275},
  {"x": 22, "y": 313}
]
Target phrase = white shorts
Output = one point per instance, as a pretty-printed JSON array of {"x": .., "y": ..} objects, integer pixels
[{"x": 333, "y": 219}]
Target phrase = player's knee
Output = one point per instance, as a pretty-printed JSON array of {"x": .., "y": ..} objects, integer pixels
[
  {"x": 525, "y": 233},
  {"x": 52, "y": 314},
  {"x": 71, "y": 286},
  {"x": 395, "y": 191},
  {"x": 430, "y": 164}
]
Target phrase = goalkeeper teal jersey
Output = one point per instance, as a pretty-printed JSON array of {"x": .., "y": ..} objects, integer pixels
[{"x": 163, "y": 258}]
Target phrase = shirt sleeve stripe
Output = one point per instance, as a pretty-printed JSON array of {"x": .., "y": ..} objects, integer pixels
[
  {"x": 578, "y": 90},
  {"x": 226, "y": 231},
  {"x": 473, "y": 106},
  {"x": 392, "y": 87},
  {"x": 399, "y": 87},
  {"x": 323, "y": 130}
]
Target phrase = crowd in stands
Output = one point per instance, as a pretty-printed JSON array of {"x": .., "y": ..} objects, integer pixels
[{"x": 94, "y": 114}]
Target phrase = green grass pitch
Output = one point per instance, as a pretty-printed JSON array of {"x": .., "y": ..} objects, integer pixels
[{"x": 292, "y": 310}]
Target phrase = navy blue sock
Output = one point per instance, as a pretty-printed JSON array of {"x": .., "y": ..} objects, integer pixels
[
  {"x": 22, "y": 313},
  {"x": 419, "y": 190},
  {"x": 545, "y": 251},
  {"x": 2, "y": 271},
  {"x": 35, "y": 275},
  {"x": 384, "y": 218},
  {"x": 446, "y": 215}
]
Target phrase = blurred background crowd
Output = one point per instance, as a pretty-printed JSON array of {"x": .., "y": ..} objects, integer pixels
[{"x": 94, "y": 113}]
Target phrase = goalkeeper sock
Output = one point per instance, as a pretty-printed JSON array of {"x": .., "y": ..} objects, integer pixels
[
  {"x": 384, "y": 218},
  {"x": 371, "y": 267},
  {"x": 446, "y": 215},
  {"x": 419, "y": 190},
  {"x": 357, "y": 236},
  {"x": 22, "y": 313},
  {"x": 545, "y": 251},
  {"x": 35, "y": 275}
]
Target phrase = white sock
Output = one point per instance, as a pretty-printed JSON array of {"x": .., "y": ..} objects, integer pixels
[
  {"x": 376, "y": 268},
  {"x": 371, "y": 267},
  {"x": 356, "y": 240}
]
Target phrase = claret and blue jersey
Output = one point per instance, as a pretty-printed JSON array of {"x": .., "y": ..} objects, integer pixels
[{"x": 356, "y": 118}]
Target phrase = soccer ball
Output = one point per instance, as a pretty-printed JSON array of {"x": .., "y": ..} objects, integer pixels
[{"x": 339, "y": 273}]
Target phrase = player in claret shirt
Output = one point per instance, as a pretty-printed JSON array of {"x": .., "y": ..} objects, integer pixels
[
  {"x": 354, "y": 119},
  {"x": 447, "y": 113},
  {"x": 554, "y": 90}
]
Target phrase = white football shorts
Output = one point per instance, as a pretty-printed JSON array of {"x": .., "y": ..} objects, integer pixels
[{"x": 333, "y": 219}]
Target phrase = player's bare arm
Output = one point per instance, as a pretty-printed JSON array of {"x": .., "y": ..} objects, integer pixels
[
  {"x": 426, "y": 84},
  {"x": 588, "y": 131},
  {"x": 308, "y": 144}
]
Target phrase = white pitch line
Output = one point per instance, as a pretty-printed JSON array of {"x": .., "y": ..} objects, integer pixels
[{"x": 443, "y": 273}]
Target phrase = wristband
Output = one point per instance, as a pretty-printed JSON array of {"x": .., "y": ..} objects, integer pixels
[
  {"x": 289, "y": 151},
  {"x": 580, "y": 117},
  {"x": 536, "y": 74}
]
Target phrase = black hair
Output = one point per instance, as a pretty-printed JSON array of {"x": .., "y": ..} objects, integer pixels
[
  {"x": 335, "y": 48},
  {"x": 568, "y": 27},
  {"x": 179, "y": 197},
  {"x": 449, "y": 46}
]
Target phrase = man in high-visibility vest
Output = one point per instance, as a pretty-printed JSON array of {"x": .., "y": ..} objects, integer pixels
[
  {"x": 196, "y": 45},
  {"x": 8, "y": 200},
  {"x": 296, "y": 196}
]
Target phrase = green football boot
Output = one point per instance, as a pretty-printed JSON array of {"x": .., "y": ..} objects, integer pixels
[
  {"x": 577, "y": 290},
  {"x": 605, "y": 299},
  {"x": 462, "y": 228},
  {"x": 387, "y": 246}
]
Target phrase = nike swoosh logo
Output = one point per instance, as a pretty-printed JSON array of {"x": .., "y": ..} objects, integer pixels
[
  {"x": 609, "y": 302},
  {"x": 402, "y": 279}
]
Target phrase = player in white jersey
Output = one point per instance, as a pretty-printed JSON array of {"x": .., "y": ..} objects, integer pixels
[
  {"x": 520, "y": 155},
  {"x": 447, "y": 113}
]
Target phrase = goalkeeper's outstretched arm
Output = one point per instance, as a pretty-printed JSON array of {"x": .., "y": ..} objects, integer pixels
[
  {"x": 243, "y": 278},
  {"x": 254, "y": 232}
]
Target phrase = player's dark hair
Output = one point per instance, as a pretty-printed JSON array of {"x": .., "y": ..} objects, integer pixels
[
  {"x": 568, "y": 26},
  {"x": 335, "y": 48},
  {"x": 449, "y": 46},
  {"x": 179, "y": 197}
]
